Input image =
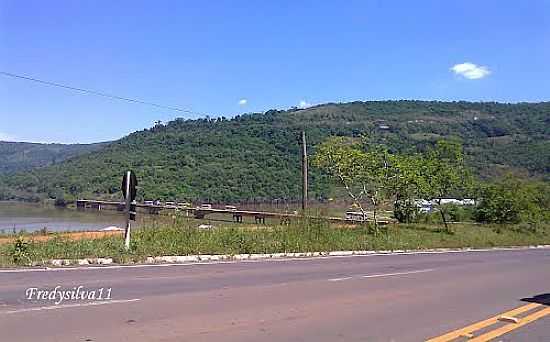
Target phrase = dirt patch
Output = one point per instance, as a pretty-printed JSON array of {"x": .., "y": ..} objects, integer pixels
[{"x": 70, "y": 235}]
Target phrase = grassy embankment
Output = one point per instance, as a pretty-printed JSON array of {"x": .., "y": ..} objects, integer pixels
[{"x": 184, "y": 238}]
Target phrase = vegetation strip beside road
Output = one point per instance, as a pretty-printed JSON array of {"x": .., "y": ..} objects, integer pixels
[{"x": 184, "y": 238}]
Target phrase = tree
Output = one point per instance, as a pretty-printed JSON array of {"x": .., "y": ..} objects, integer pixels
[
  {"x": 407, "y": 186},
  {"x": 443, "y": 173},
  {"x": 365, "y": 170}
]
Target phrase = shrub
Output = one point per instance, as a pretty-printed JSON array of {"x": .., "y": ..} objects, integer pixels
[{"x": 512, "y": 200}]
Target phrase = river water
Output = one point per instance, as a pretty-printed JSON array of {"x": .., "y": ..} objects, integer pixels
[
  {"x": 29, "y": 217},
  {"x": 15, "y": 217}
]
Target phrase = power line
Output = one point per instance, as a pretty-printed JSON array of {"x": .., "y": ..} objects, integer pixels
[{"x": 97, "y": 93}]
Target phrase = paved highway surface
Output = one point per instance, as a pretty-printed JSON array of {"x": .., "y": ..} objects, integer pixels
[{"x": 364, "y": 298}]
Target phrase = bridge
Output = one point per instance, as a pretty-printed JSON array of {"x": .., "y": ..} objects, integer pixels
[{"x": 202, "y": 212}]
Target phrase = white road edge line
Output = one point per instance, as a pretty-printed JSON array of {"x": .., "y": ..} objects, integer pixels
[
  {"x": 66, "y": 306},
  {"x": 339, "y": 279},
  {"x": 381, "y": 275},
  {"x": 396, "y": 274}
]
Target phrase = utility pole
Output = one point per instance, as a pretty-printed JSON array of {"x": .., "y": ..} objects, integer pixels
[
  {"x": 128, "y": 202},
  {"x": 304, "y": 172}
]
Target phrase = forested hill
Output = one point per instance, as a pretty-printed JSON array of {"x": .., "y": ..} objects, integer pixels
[
  {"x": 21, "y": 156},
  {"x": 258, "y": 155}
]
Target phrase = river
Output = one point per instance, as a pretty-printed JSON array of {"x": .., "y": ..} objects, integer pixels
[
  {"x": 29, "y": 217},
  {"x": 16, "y": 217}
]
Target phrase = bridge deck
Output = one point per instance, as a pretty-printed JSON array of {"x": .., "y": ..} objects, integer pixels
[{"x": 205, "y": 211}]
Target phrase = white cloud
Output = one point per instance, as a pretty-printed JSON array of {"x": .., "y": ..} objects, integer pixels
[
  {"x": 243, "y": 102},
  {"x": 6, "y": 137},
  {"x": 470, "y": 71},
  {"x": 304, "y": 104}
]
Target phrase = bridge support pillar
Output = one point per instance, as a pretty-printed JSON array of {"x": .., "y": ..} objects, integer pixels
[
  {"x": 238, "y": 218},
  {"x": 259, "y": 219}
]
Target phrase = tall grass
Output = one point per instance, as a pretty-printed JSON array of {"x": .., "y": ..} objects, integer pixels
[{"x": 184, "y": 238}]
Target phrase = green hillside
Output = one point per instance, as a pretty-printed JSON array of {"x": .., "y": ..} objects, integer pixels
[
  {"x": 21, "y": 156},
  {"x": 257, "y": 156}
]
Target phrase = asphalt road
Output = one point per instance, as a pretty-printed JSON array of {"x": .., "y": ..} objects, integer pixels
[{"x": 362, "y": 298}]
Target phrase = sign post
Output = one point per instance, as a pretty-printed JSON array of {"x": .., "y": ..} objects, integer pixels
[{"x": 129, "y": 183}]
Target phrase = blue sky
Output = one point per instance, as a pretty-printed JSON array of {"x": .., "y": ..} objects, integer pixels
[{"x": 230, "y": 57}]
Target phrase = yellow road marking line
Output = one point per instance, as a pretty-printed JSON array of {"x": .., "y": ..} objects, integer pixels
[
  {"x": 483, "y": 324},
  {"x": 512, "y": 326}
]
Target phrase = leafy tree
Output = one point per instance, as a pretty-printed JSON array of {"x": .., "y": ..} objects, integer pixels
[
  {"x": 366, "y": 171},
  {"x": 407, "y": 186},
  {"x": 444, "y": 174}
]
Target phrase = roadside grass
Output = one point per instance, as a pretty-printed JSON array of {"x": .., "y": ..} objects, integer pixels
[{"x": 183, "y": 238}]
